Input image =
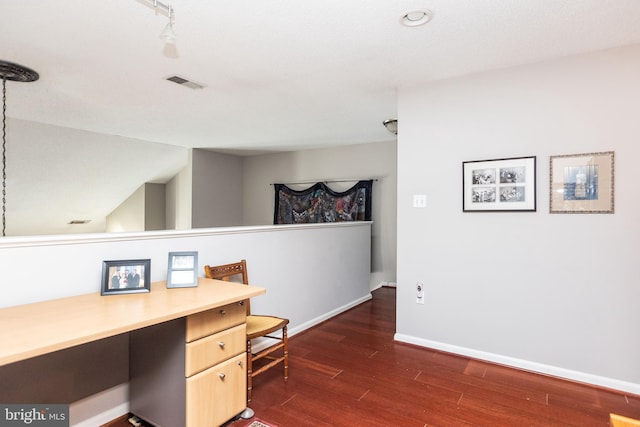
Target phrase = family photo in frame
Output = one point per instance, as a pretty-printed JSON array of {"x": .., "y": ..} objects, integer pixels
[{"x": 126, "y": 276}]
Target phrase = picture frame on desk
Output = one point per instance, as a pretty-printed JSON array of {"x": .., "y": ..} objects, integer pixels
[
  {"x": 500, "y": 185},
  {"x": 182, "y": 270},
  {"x": 126, "y": 277}
]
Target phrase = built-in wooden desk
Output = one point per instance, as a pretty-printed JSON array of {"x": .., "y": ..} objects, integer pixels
[{"x": 37, "y": 329}]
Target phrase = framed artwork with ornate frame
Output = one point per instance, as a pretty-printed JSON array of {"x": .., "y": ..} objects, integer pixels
[
  {"x": 500, "y": 185},
  {"x": 582, "y": 183}
]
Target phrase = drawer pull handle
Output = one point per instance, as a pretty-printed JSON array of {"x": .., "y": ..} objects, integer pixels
[
  {"x": 241, "y": 303},
  {"x": 221, "y": 344},
  {"x": 223, "y": 312},
  {"x": 239, "y": 362},
  {"x": 222, "y": 376}
]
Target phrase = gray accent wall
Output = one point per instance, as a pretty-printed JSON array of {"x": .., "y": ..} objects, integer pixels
[
  {"x": 554, "y": 293},
  {"x": 216, "y": 189}
]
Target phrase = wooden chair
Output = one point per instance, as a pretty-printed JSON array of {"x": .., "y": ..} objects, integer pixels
[{"x": 257, "y": 327}]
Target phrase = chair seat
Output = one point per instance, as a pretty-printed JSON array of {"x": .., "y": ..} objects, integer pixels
[{"x": 258, "y": 326}]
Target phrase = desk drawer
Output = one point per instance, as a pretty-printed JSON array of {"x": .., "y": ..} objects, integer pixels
[
  {"x": 215, "y": 320},
  {"x": 217, "y": 394},
  {"x": 208, "y": 351}
]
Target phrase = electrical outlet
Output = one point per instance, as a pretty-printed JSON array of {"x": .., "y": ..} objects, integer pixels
[{"x": 419, "y": 293}]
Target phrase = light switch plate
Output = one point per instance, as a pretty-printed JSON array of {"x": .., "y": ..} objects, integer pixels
[{"x": 419, "y": 200}]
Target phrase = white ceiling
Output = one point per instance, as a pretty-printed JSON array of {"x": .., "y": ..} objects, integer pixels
[{"x": 278, "y": 74}]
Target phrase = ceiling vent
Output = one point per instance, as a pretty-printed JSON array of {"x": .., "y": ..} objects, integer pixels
[
  {"x": 184, "y": 82},
  {"x": 79, "y": 221}
]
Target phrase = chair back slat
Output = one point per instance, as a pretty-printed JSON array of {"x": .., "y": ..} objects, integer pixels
[{"x": 228, "y": 271}]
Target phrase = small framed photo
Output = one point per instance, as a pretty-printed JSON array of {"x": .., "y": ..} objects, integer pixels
[
  {"x": 582, "y": 183},
  {"x": 182, "y": 271},
  {"x": 126, "y": 276},
  {"x": 500, "y": 185}
]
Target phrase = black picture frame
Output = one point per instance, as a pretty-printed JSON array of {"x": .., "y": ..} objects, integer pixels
[
  {"x": 132, "y": 276},
  {"x": 182, "y": 271},
  {"x": 499, "y": 185}
]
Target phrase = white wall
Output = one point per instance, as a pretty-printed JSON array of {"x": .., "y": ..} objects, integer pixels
[
  {"x": 306, "y": 286},
  {"x": 129, "y": 215},
  {"x": 178, "y": 199},
  {"x": 551, "y": 293},
  {"x": 76, "y": 174},
  {"x": 363, "y": 161},
  {"x": 267, "y": 249},
  {"x": 144, "y": 210}
]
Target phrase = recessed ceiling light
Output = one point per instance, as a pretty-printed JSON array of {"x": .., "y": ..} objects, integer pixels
[{"x": 416, "y": 17}]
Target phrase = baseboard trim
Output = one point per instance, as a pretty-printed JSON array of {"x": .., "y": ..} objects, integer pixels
[
  {"x": 120, "y": 419},
  {"x": 326, "y": 316},
  {"x": 610, "y": 383},
  {"x": 260, "y": 345},
  {"x": 100, "y": 408},
  {"x": 104, "y": 418}
]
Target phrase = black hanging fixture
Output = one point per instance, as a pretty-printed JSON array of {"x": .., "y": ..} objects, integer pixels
[{"x": 16, "y": 73}]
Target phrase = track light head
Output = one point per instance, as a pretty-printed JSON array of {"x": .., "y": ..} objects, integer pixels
[{"x": 168, "y": 35}]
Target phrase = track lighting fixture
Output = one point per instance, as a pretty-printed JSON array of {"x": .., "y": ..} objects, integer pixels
[{"x": 168, "y": 35}]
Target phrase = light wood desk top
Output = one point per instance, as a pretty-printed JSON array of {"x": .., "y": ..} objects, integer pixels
[{"x": 35, "y": 329}]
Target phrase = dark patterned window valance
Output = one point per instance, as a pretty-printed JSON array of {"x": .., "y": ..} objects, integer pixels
[{"x": 319, "y": 203}]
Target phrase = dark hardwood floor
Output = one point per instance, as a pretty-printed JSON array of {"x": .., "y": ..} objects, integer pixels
[{"x": 349, "y": 371}]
